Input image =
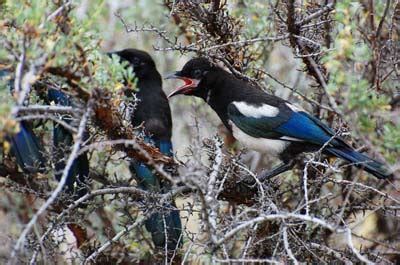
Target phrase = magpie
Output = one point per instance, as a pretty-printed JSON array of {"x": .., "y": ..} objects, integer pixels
[
  {"x": 264, "y": 122},
  {"x": 153, "y": 113},
  {"x": 77, "y": 182},
  {"x": 30, "y": 153}
]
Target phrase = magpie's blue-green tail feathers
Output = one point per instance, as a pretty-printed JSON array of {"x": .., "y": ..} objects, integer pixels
[
  {"x": 169, "y": 216},
  {"x": 77, "y": 178},
  {"x": 155, "y": 225},
  {"x": 25, "y": 146},
  {"x": 27, "y": 150},
  {"x": 360, "y": 160}
]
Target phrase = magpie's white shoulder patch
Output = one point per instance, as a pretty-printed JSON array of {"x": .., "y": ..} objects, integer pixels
[
  {"x": 263, "y": 110},
  {"x": 294, "y": 107},
  {"x": 273, "y": 147}
]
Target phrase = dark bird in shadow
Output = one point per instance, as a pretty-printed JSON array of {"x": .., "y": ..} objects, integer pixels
[{"x": 152, "y": 112}]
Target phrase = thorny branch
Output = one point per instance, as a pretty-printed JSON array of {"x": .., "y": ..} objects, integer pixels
[{"x": 292, "y": 217}]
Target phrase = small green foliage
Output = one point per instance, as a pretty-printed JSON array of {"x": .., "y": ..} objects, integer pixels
[{"x": 347, "y": 63}]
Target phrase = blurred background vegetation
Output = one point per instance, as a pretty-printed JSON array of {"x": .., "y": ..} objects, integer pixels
[{"x": 355, "y": 47}]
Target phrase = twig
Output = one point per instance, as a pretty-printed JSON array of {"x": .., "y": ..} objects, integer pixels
[
  {"x": 211, "y": 196},
  {"x": 347, "y": 182},
  {"x": 305, "y": 187},
  {"x": 287, "y": 247},
  {"x": 380, "y": 25},
  {"x": 245, "y": 42},
  {"x": 285, "y": 216},
  {"x": 48, "y": 109},
  {"x": 93, "y": 256},
  {"x": 57, "y": 11},
  {"x": 326, "y": 9},
  {"x": 19, "y": 69},
  {"x": 48, "y": 117},
  {"x": 247, "y": 261}
]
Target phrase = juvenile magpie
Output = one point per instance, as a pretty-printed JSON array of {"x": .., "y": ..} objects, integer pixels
[
  {"x": 264, "y": 122},
  {"x": 152, "y": 111}
]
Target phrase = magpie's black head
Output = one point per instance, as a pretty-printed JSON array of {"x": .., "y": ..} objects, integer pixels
[
  {"x": 193, "y": 74},
  {"x": 141, "y": 61}
]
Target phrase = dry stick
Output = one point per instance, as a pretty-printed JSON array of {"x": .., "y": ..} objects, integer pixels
[
  {"x": 305, "y": 174},
  {"x": 245, "y": 42},
  {"x": 287, "y": 247},
  {"x": 56, "y": 12},
  {"x": 189, "y": 249},
  {"x": 378, "y": 31},
  {"x": 210, "y": 196},
  {"x": 305, "y": 187},
  {"x": 284, "y": 216},
  {"x": 57, "y": 191},
  {"x": 333, "y": 252},
  {"x": 326, "y": 9},
  {"x": 151, "y": 28},
  {"x": 346, "y": 200},
  {"x": 247, "y": 261},
  {"x": 47, "y": 109},
  {"x": 260, "y": 186},
  {"x": 19, "y": 70},
  {"x": 126, "y": 230},
  {"x": 347, "y": 182},
  {"x": 48, "y": 117}
]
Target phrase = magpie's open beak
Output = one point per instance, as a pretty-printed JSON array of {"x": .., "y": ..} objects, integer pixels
[{"x": 189, "y": 86}]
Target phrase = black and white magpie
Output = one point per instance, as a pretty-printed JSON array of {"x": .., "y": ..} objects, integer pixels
[{"x": 264, "y": 122}]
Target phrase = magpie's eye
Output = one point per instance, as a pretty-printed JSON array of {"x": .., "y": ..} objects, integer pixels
[
  {"x": 197, "y": 73},
  {"x": 136, "y": 61}
]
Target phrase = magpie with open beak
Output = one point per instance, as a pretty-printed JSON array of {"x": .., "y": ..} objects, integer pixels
[{"x": 264, "y": 122}]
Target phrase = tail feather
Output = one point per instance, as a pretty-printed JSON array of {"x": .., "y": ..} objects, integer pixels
[
  {"x": 147, "y": 180},
  {"x": 62, "y": 140},
  {"x": 29, "y": 153},
  {"x": 155, "y": 225},
  {"x": 24, "y": 144},
  {"x": 26, "y": 149},
  {"x": 360, "y": 160}
]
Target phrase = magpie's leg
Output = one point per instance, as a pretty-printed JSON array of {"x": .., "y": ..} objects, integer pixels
[{"x": 276, "y": 171}]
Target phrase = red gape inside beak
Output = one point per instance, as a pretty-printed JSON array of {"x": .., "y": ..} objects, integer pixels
[{"x": 187, "y": 87}]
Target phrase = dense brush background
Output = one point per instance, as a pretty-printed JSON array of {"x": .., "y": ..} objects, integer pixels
[{"x": 355, "y": 48}]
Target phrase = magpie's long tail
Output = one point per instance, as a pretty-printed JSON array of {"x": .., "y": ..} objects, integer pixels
[
  {"x": 77, "y": 179},
  {"x": 360, "y": 160},
  {"x": 164, "y": 225},
  {"x": 25, "y": 146},
  {"x": 27, "y": 150}
]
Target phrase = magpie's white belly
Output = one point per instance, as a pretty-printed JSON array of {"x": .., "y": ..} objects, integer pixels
[{"x": 262, "y": 145}]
